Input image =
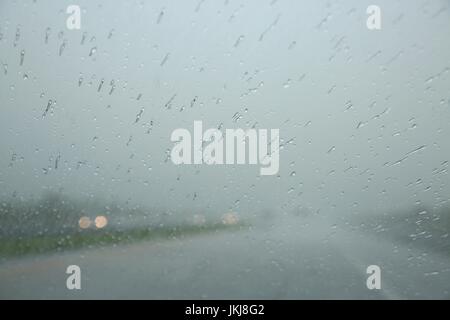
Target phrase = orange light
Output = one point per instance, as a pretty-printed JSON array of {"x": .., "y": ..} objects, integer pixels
[
  {"x": 101, "y": 222},
  {"x": 230, "y": 218},
  {"x": 84, "y": 222}
]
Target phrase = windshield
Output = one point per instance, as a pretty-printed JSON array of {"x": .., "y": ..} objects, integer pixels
[{"x": 224, "y": 149}]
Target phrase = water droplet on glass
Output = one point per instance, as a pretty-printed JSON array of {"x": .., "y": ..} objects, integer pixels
[
  {"x": 17, "y": 37},
  {"x": 237, "y": 116},
  {"x": 62, "y": 47},
  {"x": 47, "y": 109},
  {"x": 292, "y": 45},
  {"x": 47, "y": 34},
  {"x": 83, "y": 37},
  {"x": 100, "y": 85},
  {"x": 139, "y": 115},
  {"x": 113, "y": 86},
  {"x": 111, "y": 33},
  {"x": 239, "y": 40},
  {"x": 166, "y": 57},
  {"x": 160, "y": 17},
  {"x": 93, "y": 51},
  {"x": 22, "y": 57}
]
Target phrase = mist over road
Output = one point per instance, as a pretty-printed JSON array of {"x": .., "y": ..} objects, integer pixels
[{"x": 286, "y": 261}]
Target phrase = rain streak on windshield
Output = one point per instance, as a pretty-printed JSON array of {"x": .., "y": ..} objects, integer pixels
[{"x": 225, "y": 149}]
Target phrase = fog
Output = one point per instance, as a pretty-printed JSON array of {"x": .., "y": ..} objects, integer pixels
[
  {"x": 364, "y": 115},
  {"x": 312, "y": 70}
]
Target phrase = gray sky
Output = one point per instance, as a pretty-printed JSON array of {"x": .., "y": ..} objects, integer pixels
[{"x": 351, "y": 102}]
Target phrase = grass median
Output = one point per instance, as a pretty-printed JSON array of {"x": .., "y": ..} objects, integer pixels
[{"x": 100, "y": 238}]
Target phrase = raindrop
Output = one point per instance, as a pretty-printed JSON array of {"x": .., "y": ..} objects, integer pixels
[
  {"x": 62, "y": 47},
  {"x": 331, "y": 89},
  {"x": 168, "y": 104},
  {"x": 291, "y": 141},
  {"x": 348, "y": 105},
  {"x": 302, "y": 77},
  {"x": 93, "y": 51},
  {"x": 49, "y": 105},
  {"x": 160, "y": 17},
  {"x": 113, "y": 86},
  {"x": 22, "y": 57},
  {"x": 168, "y": 151},
  {"x": 416, "y": 150},
  {"x": 287, "y": 84},
  {"x": 83, "y": 38},
  {"x": 150, "y": 127},
  {"x": 100, "y": 85},
  {"x": 17, "y": 38},
  {"x": 237, "y": 116},
  {"x": 163, "y": 62},
  {"x": 239, "y": 40},
  {"x": 47, "y": 34},
  {"x": 269, "y": 28},
  {"x": 360, "y": 125},
  {"x": 111, "y": 33},
  {"x": 199, "y": 4},
  {"x": 139, "y": 115},
  {"x": 130, "y": 139},
  {"x": 57, "y": 161}
]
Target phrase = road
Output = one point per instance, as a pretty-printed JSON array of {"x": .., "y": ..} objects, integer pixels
[{"x": 284, "y": 261}]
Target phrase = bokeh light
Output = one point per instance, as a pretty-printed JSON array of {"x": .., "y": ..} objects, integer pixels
[
  {"x": 101, "y": 222},
  {"x": 84, "y": 222}
]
